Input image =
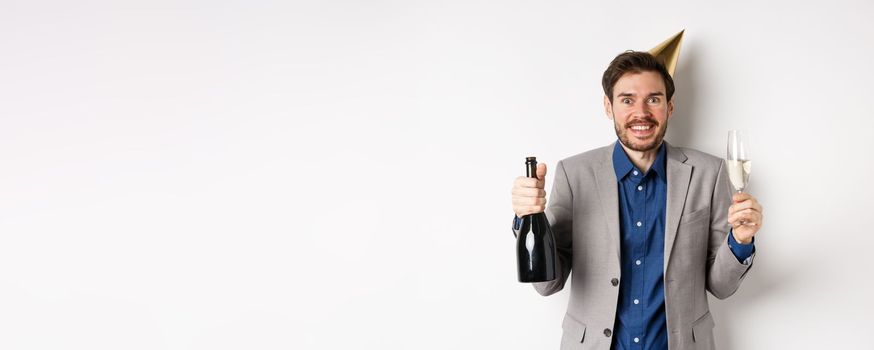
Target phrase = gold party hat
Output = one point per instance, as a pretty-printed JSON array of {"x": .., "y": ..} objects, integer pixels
[{"x": 668, "y": 52}]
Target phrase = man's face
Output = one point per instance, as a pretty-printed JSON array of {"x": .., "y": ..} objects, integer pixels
[{"x": 640, "y": 110}]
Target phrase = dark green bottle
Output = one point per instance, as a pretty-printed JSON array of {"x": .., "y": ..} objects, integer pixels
[{"x": 535, "y": 244}]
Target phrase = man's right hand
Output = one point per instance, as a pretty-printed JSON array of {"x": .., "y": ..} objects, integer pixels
[{"x": 529, "y": 197}]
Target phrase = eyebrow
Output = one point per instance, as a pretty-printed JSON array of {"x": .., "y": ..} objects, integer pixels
[{"x": 629, "y": 94}]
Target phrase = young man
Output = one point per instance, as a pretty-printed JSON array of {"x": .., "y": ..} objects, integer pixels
[{"x": 644, "y": 227}]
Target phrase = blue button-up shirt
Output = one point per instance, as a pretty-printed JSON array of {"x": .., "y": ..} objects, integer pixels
[
  {"x": 640, "y": 314},
  {"x": 641, "y": 322}
]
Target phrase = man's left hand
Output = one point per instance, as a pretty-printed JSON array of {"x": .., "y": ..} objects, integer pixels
[{"x": 745, "y": 217}]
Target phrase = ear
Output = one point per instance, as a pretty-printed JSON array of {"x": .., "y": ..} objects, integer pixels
[
  {"x": 671, "y": 107},
  {"x": 608, "y": 107}
]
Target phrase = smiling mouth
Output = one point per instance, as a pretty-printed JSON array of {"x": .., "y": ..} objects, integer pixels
[{"x": 642, "y": 130}]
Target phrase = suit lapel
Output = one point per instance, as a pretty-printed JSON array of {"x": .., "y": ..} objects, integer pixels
[
  {"x": 679, "y": 174},
  {"x": 608, "y": 191}
]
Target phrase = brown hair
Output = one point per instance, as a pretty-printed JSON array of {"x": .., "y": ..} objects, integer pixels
[{"x": 635, "y": 62}]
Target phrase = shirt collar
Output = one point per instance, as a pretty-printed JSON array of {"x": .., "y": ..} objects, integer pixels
[{"x": 622, "y": 165}]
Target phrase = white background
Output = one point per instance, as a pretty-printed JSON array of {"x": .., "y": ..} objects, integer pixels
[{"x": 336, "y": 174}]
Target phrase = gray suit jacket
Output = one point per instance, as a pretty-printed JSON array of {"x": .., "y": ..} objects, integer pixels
[{"x": 583, "y": 211}]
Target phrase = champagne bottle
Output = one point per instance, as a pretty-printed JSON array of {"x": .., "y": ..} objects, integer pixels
[{"x": 535, "y": 244}]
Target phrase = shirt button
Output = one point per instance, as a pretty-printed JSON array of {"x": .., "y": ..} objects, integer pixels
[
  {"x": 607, "y": 332},
  {"x": 614, "y": 282},
  {"x": 636, "y": 301},
  {"x": 637, "y": 262},
  {"x": 634, "y": 172},
  {"x": 639, "y": 224},
  {"x": 636, "y": 340},
  {"x": 640, "y": 188}
]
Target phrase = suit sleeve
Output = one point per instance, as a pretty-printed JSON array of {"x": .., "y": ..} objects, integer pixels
[
  {"x": 724, "y": 271},
  {"x": 559, "y": 212}
]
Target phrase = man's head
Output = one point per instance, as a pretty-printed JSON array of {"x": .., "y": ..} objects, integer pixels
[{"x": 638, "y": 97}]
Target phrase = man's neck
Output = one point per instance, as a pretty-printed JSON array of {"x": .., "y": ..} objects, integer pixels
[{"x": 642, "y": 160}]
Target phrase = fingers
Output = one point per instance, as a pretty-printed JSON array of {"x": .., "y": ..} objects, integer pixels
[
  {"x": 528, "y": 192},
  {"x": 745, "y": 214},
  {"x": 529, "y": 201},
  {"x": 523, "y": 181},
  {"x": 541, "y": 171},
  {"x": 527, "y": 210},
  {"x": 528, "y": 195},
  {"x": 747, "y": 217},
  {"x": 745, "y": 205},
  {"x": 740, "y": 197}
]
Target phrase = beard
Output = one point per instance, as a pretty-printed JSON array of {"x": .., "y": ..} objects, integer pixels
[{"x": 623, "y": 134}]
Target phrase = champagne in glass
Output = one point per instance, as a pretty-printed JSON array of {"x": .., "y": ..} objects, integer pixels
[{"x": 738, "y": 160}]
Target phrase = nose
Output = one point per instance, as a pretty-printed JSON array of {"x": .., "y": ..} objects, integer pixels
[{"x": 641, "y": 109}]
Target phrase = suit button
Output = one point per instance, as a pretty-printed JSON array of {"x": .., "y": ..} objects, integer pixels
[
  {"x": 615, "y": 282},
  {"x": 607, "y": 332}
]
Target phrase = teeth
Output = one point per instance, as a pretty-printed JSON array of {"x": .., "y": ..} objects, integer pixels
[{"x": 641, "y": 127}]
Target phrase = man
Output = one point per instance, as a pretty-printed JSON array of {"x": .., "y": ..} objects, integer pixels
[{"x": 644, "y": 228}]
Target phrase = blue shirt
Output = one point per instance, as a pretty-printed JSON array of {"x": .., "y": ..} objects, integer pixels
[{"x": 640, "y": 314}]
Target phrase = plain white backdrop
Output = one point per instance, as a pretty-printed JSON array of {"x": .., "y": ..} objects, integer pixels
[{"x": 337, "y": 174}]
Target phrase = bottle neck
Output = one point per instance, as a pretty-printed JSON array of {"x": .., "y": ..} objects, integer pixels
[{"x": 531, "y": 167}]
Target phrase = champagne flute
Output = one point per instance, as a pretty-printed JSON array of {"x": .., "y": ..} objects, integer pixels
[{"x": 738, "y": 161}]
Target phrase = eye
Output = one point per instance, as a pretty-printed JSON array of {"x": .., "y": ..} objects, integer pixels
[
  {"x": 626, "y": 100},
  {"x": 654, "y": 100}
]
